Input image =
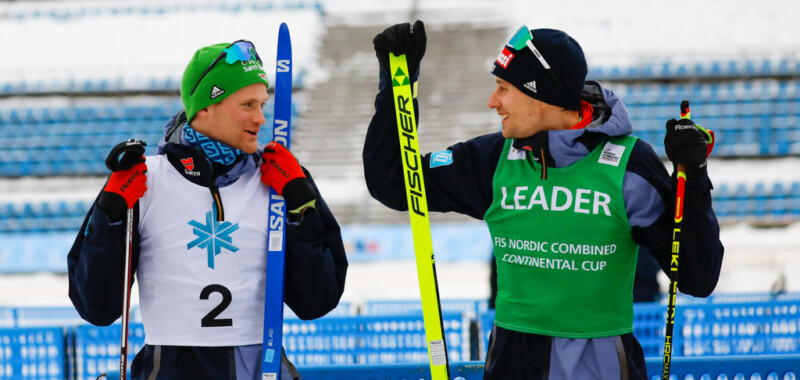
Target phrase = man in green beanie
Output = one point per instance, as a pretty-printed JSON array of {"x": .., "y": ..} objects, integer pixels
[{"x": 201, "y": 267}]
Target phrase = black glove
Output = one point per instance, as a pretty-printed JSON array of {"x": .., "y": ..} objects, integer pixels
[
  {"x": 401, "y": 39},
  {"x": 686, "y": 144}
]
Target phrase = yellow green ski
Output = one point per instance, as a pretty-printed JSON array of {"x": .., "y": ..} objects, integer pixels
[{"x": 418, "y": 212}]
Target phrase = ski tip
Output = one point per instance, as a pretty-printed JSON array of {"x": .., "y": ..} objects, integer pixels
[
  {"x": 283, "y": 35},
  {"x": 685, "y": 113}
]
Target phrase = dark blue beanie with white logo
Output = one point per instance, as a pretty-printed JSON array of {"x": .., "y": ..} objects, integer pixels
[{"x": 522, "y": 69}]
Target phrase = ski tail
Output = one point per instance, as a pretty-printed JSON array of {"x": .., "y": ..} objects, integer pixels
[
  {"x": 420, "y": 221},
  {"x": 276, "y": 244}
]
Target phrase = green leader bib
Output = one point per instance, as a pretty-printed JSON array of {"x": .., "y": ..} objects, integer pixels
[{"x": 563, "y": 245}]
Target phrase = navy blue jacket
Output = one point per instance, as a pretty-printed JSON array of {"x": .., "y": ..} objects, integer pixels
[
  {"x": 316, "y": 264},
  {"x": 464, "y": 185}
]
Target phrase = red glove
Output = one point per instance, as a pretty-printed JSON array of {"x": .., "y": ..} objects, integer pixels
[
  {"x": 281, "y": 171},
  {"x": 122, "y": 191},
  {"x": 279, "y": 167}
]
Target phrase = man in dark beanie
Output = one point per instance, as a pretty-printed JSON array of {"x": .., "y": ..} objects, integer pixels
[
  {"x": 568, "y": 197},
  {"x": 200, "y": 235}
]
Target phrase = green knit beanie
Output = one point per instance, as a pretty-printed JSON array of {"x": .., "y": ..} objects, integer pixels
[{"x": 221, "y": 80}]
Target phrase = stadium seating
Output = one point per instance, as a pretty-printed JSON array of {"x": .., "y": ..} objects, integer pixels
[
  {"x": 728, "y": 334},
  {"x": 712, "y": 328},
  {"x": 43, "y": 216},
  {"x": 759, "y": 204},
  {"x": 717, "y": 69},
  {"x": 750, "y": 118},
  {"x": 42, "y": 142}
]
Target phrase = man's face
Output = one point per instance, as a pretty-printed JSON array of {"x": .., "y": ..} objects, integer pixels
[
  {"x": 236, "y": 120},
  {"x": 522, "y": 115}
]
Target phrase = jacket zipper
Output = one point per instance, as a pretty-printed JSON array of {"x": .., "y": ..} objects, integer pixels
[
  {"x": 217, "y": 201},
  {"x": 544, "y": 164}
]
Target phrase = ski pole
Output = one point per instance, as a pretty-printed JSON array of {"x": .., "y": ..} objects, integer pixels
[
  {"x": 418, "y": 214},
  {"x": 123, "y": 157},
  {"x": 673, "y": 264}
]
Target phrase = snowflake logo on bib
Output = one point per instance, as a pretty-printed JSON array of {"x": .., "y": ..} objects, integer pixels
[{"x": 213, "y": 236}]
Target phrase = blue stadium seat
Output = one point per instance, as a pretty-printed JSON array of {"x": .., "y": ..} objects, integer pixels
[
  {"x": 733, "y": 68},
  {"x": 766, "y": 68},
  {"x": 741, "y": 202},
  {"x": 795, "y": 199},
  {"x": 699, "y": 70},
  {"x": 784, "y": 67},
  {"x": 778, "y": 202},
  {"x": 759, "y": 201},
  {"x": 750, "y": 68},
  {"x": 721, "y": 200},
  {"x": 716, "y": 69}
]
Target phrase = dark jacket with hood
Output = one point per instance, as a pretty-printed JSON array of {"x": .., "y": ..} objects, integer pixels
[{"x": 465, "y": 186}]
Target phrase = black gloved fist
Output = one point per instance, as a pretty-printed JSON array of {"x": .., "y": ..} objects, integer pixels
[
  {"x": 685, "y": 144},
  {"x": 401, "y": 39}
]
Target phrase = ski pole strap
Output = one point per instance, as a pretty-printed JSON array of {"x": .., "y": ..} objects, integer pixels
[
  {"x": 418, "y": 213},
  {"x": 686, "y": 113},
  {"x": 125, "y": 154}
]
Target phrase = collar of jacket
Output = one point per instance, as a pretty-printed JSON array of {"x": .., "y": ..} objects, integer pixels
[
  {"x": 561, "y": 148},
  {"x": 193, "y": 164}
]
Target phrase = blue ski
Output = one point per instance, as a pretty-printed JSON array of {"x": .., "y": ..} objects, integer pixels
[{"x": 276, "y": 245}]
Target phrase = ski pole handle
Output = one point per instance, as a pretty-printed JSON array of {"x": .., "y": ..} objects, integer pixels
[
  {"x": 125, "y": 155},
  {"x": 686, "y": 113}
]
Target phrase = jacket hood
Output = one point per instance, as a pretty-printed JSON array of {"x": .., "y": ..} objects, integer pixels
[{"x": 565, "y": 147}]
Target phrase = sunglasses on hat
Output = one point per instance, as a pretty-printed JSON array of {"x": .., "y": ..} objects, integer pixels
[
  {"x": 241, "y": 50},
  {"x": 523, "y": 38}
]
